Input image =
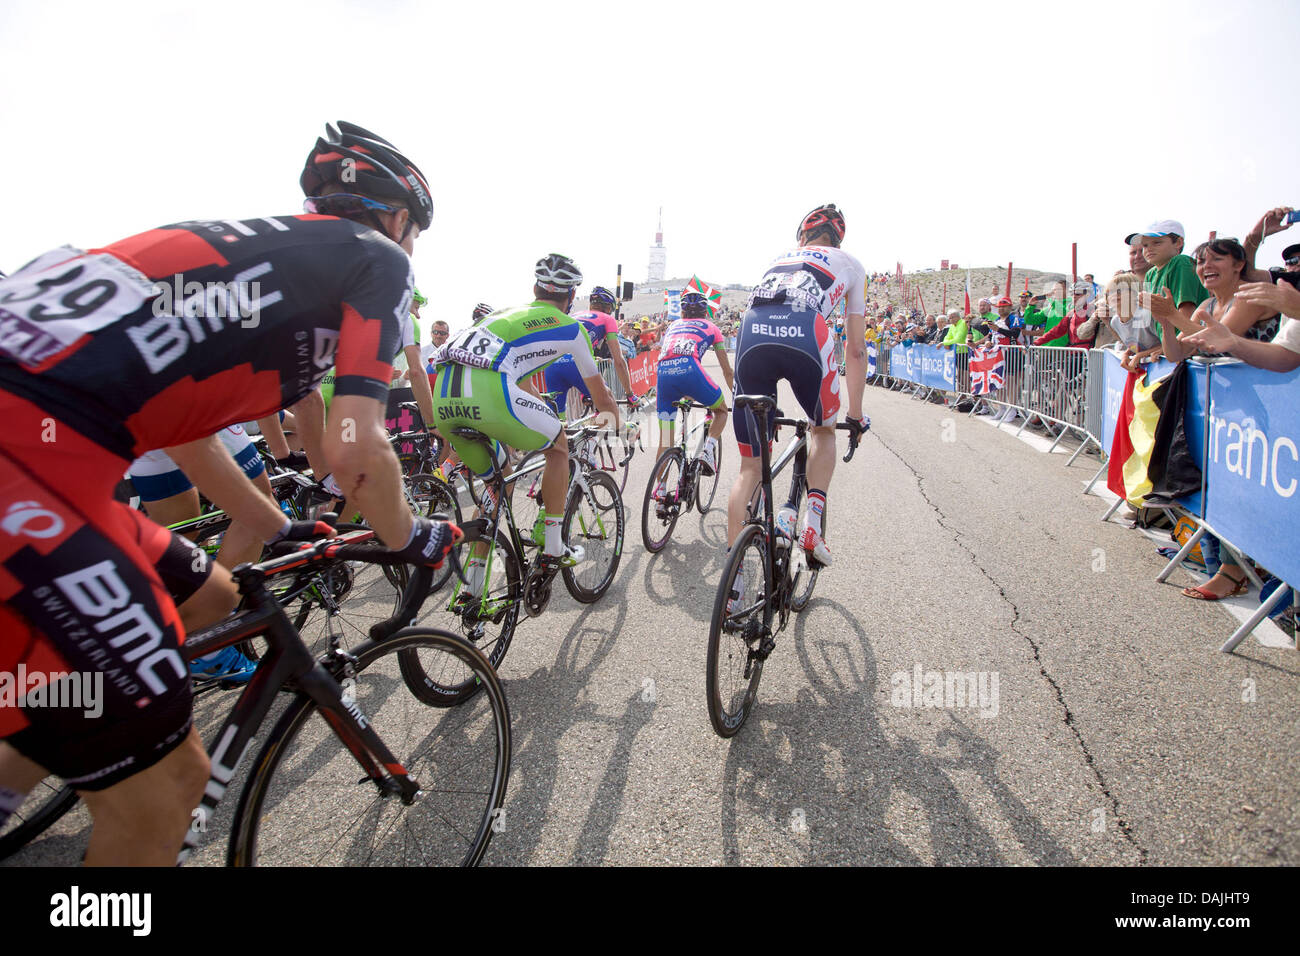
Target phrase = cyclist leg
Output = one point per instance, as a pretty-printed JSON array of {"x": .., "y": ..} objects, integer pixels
[
  {"x": 88, "y": 621},
  {"x": 760, "y": 364},
  {"x": 816, "y": 386}
]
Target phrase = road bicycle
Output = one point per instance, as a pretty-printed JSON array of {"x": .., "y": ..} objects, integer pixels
[
  {"x": 431, "y": 785},
  {"x": 677, "y": 482},
  {"x": 509, "y": 580},
  {"x": 765, "y": 578}
]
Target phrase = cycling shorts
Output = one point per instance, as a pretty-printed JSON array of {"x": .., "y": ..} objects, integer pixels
[
  {"x": 82, "y": 597},
  {"x": 683, "y": 377},
  {"x": 778, "y": 342},
  {"x": 491, "y": 403},
  {"x": 563, "y": 375},
  {"x": 156, "y": 476}
]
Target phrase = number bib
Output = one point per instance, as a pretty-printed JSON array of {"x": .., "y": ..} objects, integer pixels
[
  {"x": 62, "y": 296},
  {"x": 683, "y": 345},
  {"x": 476, "y": 347}
]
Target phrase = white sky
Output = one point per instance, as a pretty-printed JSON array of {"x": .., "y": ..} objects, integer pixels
[{"x": 973, "y": 132}]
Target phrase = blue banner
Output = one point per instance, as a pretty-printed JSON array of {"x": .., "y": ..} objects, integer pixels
[{"x": 1253, "y": 467}]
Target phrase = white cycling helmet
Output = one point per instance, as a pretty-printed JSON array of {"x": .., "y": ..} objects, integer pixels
[{"x": 557, "y": 273}]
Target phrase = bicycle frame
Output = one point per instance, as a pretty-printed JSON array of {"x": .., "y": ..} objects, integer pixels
[{"x": 289, "y": 662}]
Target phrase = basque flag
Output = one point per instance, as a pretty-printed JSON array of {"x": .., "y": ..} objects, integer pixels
[{"x": 986, "y": 369}]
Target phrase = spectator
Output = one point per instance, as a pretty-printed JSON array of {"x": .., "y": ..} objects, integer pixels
[
  {"x": 1133, "y": 327},
  {"x": 1171, "y": 276},
  {"x": 1272, "y": 222},
  {"x": 1007, "y": 326},
  {"x": 1221, "y": 265},
  {"x": 1078, "y": 326},
  {"x": 957, "y": 332},
  {"x": 1034, "y": 316}
]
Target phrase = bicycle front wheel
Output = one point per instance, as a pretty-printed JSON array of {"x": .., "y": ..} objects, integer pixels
[
  {"x": 47, "y": 802},
  {"x": 741, "y": 616},
  {"x": 707, "y": 485},
  {"x": 303, "y": 804},
  {"x": 593, "y": 518}
]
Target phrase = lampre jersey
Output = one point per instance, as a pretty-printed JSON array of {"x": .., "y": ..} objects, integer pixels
[
  {"x": 815, "y": 278},
  {"x": 170, "y": 335},
  {"x": 691, "y": 337}
]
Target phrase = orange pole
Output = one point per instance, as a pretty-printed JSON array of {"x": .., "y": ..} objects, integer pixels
[{"x": 1008, "y": 280}]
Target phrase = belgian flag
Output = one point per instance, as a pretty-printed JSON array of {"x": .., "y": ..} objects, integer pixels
[{"x": 1135, "y": 437}]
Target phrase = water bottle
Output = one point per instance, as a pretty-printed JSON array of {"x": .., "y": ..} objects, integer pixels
[{"x": 785, "y": 526}]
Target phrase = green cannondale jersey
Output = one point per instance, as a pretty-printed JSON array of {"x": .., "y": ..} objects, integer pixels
[{"x": 519, "y": 342}]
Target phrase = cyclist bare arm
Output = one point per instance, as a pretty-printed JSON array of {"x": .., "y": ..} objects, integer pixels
[
  {"x": 419, "y": 379},
  {"x": 725, "y": 362},
  {"x": 620, "y": 366},
  {"x": 855, "y": 362},
  {"x": 601, "y": 396},
  {"x": 361, "y": 456},
  {"x": 209, "y": 466}
]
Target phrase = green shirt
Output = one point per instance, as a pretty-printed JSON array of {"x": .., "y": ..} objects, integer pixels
[
  {"x": 1057, "y": 310},
  {"x": 1178, "y": 275},
  {"x": 957, "y": 335}
]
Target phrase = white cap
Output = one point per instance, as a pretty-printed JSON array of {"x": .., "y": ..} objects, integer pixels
[{"x": 1165, "y": 227}]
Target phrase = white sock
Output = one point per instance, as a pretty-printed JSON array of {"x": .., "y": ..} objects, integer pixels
[{"x": 554, "y": 543}]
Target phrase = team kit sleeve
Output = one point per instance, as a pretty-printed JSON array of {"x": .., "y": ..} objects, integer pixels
[
  {"x": 376, "y": 314},
  {"x": 855, "y": 298},
  {"x": 583, "y": 356}
]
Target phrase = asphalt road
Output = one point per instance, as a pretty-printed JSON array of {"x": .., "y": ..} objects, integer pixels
[{"x": 1117, "y": 734}]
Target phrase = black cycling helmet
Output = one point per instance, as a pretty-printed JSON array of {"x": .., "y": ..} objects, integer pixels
[
  {"x": 369, "y": 165},
  {"x": 481, "y": 310},
  {"x": 823, "y": 217},
  {"x": 604, "y": 297},
  {"x": 695, "y": 305},
  {"x": 557, "y": 273}
]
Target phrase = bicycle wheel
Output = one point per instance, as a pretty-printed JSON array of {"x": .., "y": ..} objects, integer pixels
[
  {"x": 303, "y": 804},
  {"x": 595, "y": 521},
  {"x": 731, "y": 676},
  {"x": 45, "y": 804},
  {"x": 657, "y": 522},
  {"x": 427, "y": 495},
  {"x": 370, "y": 592},
  {"x": 707, "y": 485},
  {"x": 804, "y": 571},
  {"x": 487, "y": 620}
]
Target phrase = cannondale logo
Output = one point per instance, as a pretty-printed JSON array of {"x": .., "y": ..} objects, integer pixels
[{"x": 21, "y": 514}]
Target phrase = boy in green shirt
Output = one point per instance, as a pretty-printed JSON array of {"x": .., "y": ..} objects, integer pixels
[{"x": 1171, "y": 290}]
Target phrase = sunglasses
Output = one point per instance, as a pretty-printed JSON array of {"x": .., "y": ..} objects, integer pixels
[
  {"x": 439, "y": 332},
  {"x": 345, "y": 204},
  {"x": 1292, "y": 261}
]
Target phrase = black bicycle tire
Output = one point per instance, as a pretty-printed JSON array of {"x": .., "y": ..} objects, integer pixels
[
  {"x": 724, "y": 724},
  {"x": 701, "y": 504},
  {"x": 49, "y": 812},
  {"x": 580, "y": 592},
  {"x": 437, "y": 694},
  {"x": 647, "y": 503},
  {"x": 799, "y": 599},
  {"x": 242, "y": 848}
]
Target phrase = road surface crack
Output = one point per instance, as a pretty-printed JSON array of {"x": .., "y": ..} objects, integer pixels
[{"x": 1069, "y": 719}]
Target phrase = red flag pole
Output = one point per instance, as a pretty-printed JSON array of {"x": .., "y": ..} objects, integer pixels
[
  {"x": 1074, "y": 263},
  {"x": 1213, "y": 233},
  {"x": 921, "y": 298},
  {"x": 1008, "y": 280}
]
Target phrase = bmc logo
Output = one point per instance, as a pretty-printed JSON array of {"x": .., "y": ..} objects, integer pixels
[
  {"x": 30, "y": 519},
  {"x": 98, "y": 592}
]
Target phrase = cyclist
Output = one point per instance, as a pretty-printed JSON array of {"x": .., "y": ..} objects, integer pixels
[
  {"x": 680, "y": 375},
  {"x": 100, "y": 364},
  {"x": 784, "y": 336},
  {"x": 482, "y": 377},
  {"x": 563, "y": 374}
]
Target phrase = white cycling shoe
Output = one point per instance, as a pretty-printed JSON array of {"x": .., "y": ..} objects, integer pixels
[
  {"x": 812, "y": 543},
  {"x": 708, "y": 458},
  {"x": 571, "y": 555}
]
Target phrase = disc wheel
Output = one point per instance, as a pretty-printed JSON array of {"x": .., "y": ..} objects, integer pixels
[{"x": 659, "y": 516}]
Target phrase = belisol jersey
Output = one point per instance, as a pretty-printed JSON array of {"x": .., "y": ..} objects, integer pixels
[
  {"x": 172, "y": 334},
  {"x": 814, "y": 278},
  {"x": 519, "y": 342},
  {"x": 691, "y": 337}
]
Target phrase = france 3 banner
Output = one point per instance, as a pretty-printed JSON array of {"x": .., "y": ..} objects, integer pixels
[
  {"x": 938, "y": 367},
  {"x": 1253, "y": 465}
]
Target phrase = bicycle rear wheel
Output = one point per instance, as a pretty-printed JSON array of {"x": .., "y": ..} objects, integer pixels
[
  {"x": 657, "y": 529},
  {"x": 48, "y": 801},
  {"x": 594, "y": 521},
  {"x": 732, "y": 675},
  {"x": 303, "y": 804}
]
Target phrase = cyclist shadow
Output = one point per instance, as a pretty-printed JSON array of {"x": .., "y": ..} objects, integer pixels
[
  {"x": 545, "y": 706},
  {"x": 692, "y": 568},
  {"x": 841, "y": 755}
]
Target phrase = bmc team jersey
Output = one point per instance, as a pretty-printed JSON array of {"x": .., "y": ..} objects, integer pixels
[
  {"x": 477, "y": 374},
  {"x": 679, "y": 372},
  {"x": 563, "y": 374},
  {"x": 173, "y": 334},
  {"x": 814, "y": 278}
]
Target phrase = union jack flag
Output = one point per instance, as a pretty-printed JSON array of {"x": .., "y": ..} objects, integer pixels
[{"x": 986, "y": 368}]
